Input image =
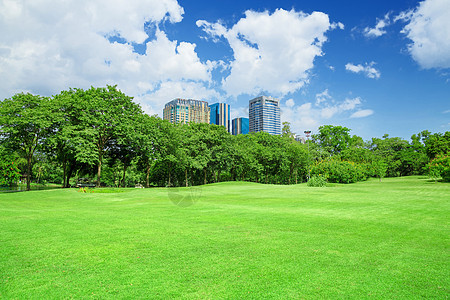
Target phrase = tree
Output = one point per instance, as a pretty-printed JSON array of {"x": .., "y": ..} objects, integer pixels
[
  {"x": 379, "y": 168},
  {"x": 333, "y": 139},
  {"x": 437, "y": 143},
  {"x": 286, "y": 130},
  {"x": 104, "y": 113},
  {"x": 64, "y": 144},
  {"x": 297, "y": 156},
  {"x": 25, "y": 120},
  {"x": 9, "y": 171}
]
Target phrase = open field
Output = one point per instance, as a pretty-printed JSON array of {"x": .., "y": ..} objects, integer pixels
[{"x": 229, "y": 240}]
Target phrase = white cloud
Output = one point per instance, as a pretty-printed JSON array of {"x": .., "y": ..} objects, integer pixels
[
  {"x": 272, "y": 52},
  {"x": 238, "y": 112},
  {"x": 290, "y": 103},
  {"x": 329, "y": 111},
  {"x": 309, "y": 116},
  {"x": 362, "y": 113},
  {"x": 323, "y": 97},
  {"x": 49, "y": 46},
  {"x": 367, "y": 69},
  {"x": 429, "y": 31},
  {"x": 153, "y": 102},
  {"x": 378, "y": 30}
]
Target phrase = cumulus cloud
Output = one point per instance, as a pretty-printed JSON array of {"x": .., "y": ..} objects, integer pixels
[
  {"x": 323, "y": 97},
  {"x": 309, "y": 116},
  {"x": 272, "y": 51},
  {"x": 290, "y": 103},
  {"x": 362, "y": 113},
  {"x": 49, "y": 46},
  {"x": 153, "y": 102},
  {"x": 368, "y": 70},
  {"x": 239, "y": 112},
  {"x": 429, "y": 29},
  {"x": 378, "y": 30}
]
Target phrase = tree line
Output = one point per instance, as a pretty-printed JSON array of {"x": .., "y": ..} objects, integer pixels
[{"x": 102, "y": 135}]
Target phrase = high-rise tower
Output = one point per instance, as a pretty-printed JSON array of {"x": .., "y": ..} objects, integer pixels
[
  {"x": 220, "y": 115},
  {"x": 264, "y": 115},
  {"x": 186, "y": 111}
]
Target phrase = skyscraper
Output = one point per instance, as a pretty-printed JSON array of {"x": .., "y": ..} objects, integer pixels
[
  {"x": 264, "y": 115},
  {"x": 220, "y": 115},
  {"x": 186, "y": 111},
  {"x": 240, "y": 126}
]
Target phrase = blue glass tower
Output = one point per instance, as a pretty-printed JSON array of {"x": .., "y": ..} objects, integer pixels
[
  {"x": 264, "y": 115},
  {"x": 220, "y": 115},
  {"x": 240, "y": 126}
]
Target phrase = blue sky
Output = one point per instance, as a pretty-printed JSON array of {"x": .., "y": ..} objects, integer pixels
[{"x": 374, "y": 66}]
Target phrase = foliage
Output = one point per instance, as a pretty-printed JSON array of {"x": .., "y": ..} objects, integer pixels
[
  {"x": 86, "y": 133},
  {"x": 440, "y": 167},
  {"x": 9, "y": 173},
  {"x": 340, "y": 171},
  {"x": 25, "y": 121},
  {"x": 317, "y": 181},
  {"x": 333, "y": 139},
  {"x": 379, "y": 168},
  {"x": 437, "y": 143}
]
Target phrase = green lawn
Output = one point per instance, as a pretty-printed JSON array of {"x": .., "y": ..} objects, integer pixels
[{"x": 229, "y": 240}]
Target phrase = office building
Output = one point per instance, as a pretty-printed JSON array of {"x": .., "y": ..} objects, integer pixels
[
  {"x": 186, "y": 111},
  {"x": 264, "y": 115},
  {"x": 240, "y": 126},
  {"x": 220, "y": 115}
]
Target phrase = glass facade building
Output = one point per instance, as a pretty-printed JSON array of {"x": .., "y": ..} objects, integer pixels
[
  {"x": 264, "y": 115},
  {"x": 220, "y": 115},
  {"x": 186, "y": 110},
  {"x": 240, "y": 126}
]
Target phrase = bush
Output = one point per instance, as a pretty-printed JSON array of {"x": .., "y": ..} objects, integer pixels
[
  {"x": 317, "y": 181},
  {"x": 341, "y": 171},
  {"x": 9, "y": 173},
  {"x": 440, "y": 167}
]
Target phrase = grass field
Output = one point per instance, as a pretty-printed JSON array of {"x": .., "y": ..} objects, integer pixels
[{"x": 229, "y": 240}]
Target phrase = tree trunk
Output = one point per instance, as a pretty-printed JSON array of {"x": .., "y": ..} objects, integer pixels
[
  {"x": 218, "y": 176},
  {"x": 64, "y": 174},
  {"x": 204, "y": 181},
  {"x": 99, "y": 170},
  {"x": 147, "y": 176},
  {"x": 28, "y": 172},
  {"x": 296, "y": 175},
  {"x": 124, "y": 173},
  {"x": 186, "y": 177},
  {"x": 69, "y": 174},
  {"x": 169, "y": 179}
]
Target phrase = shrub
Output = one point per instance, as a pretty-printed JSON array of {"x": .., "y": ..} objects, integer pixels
[
  {"x": 317, "y": 181},
  {"x": 440, "y": 166},
  {"x": 341, "y": 171},
  {"x": 9, "y": 173}
]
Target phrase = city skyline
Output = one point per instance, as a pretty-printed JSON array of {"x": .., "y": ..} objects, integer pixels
[{"x": 374, "y": 67}]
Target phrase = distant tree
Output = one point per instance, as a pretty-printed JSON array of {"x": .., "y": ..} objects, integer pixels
[
  {"x": 333, "y": 139},
  {"x": 25, "y": 120},
  {"x": 286, "y": 130},
  {"x": 9, "y": 171},
  {"x": 148, "y": 140},
  {"x": 379, "y": 168},
  {"x": 104, "y": 114},
  {"x": 297, "y": 157},
  {"x": 437, "y": 143}
]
